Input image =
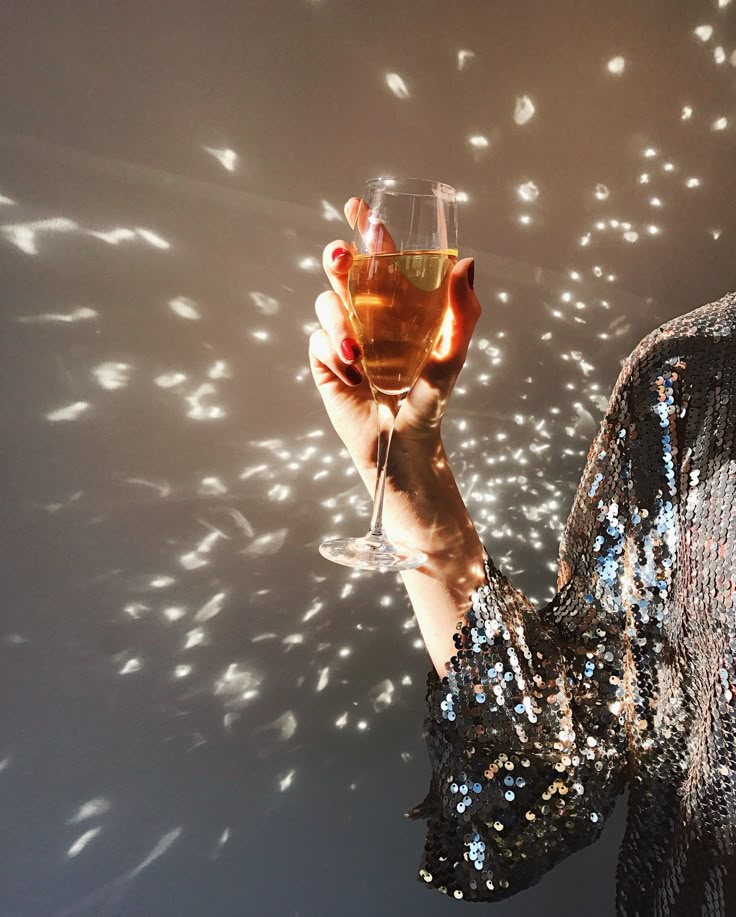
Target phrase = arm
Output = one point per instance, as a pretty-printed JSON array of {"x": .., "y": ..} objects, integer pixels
[
  {"x": 423, "y": 504},
  {"x": 532, "y": 730}
]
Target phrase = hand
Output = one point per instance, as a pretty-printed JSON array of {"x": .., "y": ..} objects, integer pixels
[{"x": 349, "y": 401}]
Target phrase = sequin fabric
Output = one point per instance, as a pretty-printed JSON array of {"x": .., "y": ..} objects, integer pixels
[{"x": 625, "y": 676}]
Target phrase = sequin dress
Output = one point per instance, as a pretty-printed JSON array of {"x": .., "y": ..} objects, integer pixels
[{"x": 625, "y": 676}]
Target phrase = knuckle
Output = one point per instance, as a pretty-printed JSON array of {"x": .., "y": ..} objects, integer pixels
[
  {"x": 337, "y": 269},
  {"x": 329, "y": 249},
  {"x": 473, "y": 308},
  {"x": 321, "y": 302}
]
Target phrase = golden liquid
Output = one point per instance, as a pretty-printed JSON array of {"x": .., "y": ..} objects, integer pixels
[{"x": 397, "y": 304}]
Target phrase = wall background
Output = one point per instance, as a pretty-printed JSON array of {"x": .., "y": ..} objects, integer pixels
[{"x": 201, "y": 716}]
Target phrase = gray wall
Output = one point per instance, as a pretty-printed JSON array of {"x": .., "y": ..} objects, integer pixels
[{"x": 200, "y": 715}]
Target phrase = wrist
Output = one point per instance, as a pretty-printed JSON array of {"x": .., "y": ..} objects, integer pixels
[
  {"x": 415, "y": 466},
  {"x": 422, "y": 503},
  {"x": 413, "y": 461}
]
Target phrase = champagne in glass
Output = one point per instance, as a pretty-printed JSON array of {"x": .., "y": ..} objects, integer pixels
[
  {"x": 404, "y": 250},
  {"x": 397, "y": 305}
]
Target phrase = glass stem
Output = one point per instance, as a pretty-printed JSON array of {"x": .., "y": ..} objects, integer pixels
[{"x": 386, "y": 420}]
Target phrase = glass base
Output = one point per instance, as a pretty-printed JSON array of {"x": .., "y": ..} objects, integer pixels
[{"x": 372, "y": 553}]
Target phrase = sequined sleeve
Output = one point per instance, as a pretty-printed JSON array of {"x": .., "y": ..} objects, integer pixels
[{"x": 529, "y": 733}]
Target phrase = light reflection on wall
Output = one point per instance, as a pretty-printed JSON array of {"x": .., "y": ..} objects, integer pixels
[{"x": 188, "y": 461}]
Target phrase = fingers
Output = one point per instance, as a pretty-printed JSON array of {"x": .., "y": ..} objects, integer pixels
[
  {"x": 337, "y": 259},
  {"x": 376, "y": 236},
  {"x": 324, "y": 361},
  {"x": 463, "y": 314},
  {"x": 336, "y": 322},
  {"x": 350, "y": 210}
]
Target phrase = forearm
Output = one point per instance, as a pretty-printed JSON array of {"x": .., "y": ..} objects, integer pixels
[{"x": 423, "y": 507}]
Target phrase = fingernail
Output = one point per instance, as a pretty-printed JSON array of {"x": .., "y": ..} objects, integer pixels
[
  {"x": 338, "y": 253},
  {"x": 471, "y": 273},
  {"x": 350, "y": 349},
  {"x": 354, "y": 375}
]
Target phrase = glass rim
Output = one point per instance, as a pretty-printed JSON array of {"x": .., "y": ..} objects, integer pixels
[{"x": 437, "y": 189}]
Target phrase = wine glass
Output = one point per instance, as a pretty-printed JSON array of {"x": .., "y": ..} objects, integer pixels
[{"x": 404, "y": 250}]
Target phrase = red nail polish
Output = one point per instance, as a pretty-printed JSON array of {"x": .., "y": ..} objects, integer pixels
[
  {"x": 350, "y": 349},
  {"x": 353, "y": 374},
  {"x": 339, "y": 252}
]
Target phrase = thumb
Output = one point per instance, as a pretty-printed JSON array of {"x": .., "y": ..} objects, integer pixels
[{"x": 462, "y": 315}]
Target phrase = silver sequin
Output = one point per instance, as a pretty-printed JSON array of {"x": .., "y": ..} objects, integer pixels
[{"x": 626, "y": 676}]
